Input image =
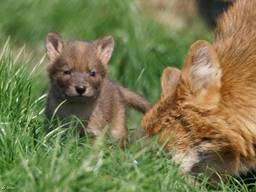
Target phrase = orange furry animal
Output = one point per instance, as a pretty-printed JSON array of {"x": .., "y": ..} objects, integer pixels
[{"x": 206, "y": 114}]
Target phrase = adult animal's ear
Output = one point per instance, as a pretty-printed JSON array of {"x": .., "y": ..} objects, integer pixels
[
  {"x": 202, "y": 73},
  {"x": 169, "y": 81},
  {"x": 105, "y": 47},
  {"x": 54, "y": 46}
]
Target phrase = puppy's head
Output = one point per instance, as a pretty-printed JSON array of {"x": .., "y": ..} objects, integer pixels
[{"x": 77, "y": 68}]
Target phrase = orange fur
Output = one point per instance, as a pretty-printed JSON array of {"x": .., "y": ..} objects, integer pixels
[{"x": 208, "y": 120}]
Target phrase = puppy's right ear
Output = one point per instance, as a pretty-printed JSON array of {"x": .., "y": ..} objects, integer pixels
[
  {"x": 169, "y": 81},
  {"x": 54, "y": 45}
]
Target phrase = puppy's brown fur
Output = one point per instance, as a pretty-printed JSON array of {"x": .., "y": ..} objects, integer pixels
[
  {"x": 206, "y": 115},
  {"x": 78, "y": 75}
]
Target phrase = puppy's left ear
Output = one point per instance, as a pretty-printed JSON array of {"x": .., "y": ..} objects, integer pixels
[{"x": 105, "y": 47}]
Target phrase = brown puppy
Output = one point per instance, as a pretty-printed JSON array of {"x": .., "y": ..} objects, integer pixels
[
  {"x": 206, "y": 116},
  {"x": 78, "y": 75}
]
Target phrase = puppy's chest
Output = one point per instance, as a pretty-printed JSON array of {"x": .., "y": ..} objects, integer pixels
[{"x": 81, "y": 110}]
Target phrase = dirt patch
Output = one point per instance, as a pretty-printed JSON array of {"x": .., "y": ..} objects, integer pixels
[{"x": 177, "y": 14}]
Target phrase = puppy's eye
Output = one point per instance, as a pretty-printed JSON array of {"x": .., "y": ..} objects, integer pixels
[
  {"x": 67, "y": 72},
  {"x": 92, "y": 73}
]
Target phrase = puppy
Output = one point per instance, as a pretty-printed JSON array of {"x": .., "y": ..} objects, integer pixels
[{"x": 78, "y": 75}]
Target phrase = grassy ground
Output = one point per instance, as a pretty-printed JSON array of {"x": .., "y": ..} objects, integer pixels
[{"x": 30, "y": 160}]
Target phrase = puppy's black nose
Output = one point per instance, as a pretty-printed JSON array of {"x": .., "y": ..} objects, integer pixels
[{"x": 80, "y": 89}]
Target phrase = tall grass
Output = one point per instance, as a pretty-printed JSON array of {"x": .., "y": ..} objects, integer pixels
[{"x": 30, "y": 160}]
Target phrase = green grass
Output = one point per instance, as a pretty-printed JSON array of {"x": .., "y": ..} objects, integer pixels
[
  {"x": 143, "y": 47},
  {"x": 31, "y": 160}
]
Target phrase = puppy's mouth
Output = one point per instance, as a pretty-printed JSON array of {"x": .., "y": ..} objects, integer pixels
[
  {"x": 87, "y": 93},
  {"x": 78, "y": 96},
  {"x": 81, "y": 97}
]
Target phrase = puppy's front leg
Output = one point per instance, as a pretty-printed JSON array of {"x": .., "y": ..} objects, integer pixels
[{"x": 118, "y": 127}]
